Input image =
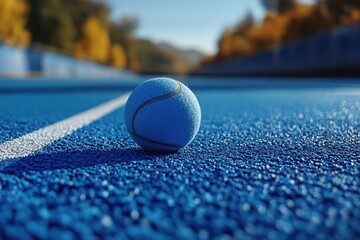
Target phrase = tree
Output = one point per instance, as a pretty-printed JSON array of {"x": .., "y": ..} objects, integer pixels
[
  {"x": 341, "y": 8},
  {"x": 150, "y": 58},
  {"x": 59, "y": 23},
  {"x": 235, "y": 41},
  {"x": 95, "y": 42},
  {"x": 122, "y": 31},
  {"x": 117, "y": 56},
  {"x": 279, "y": 5},
  {"x": 225, "y": 44},
  {"x": 81, "y": 10},
  {"x": 305, "y": 21},
  {"x": 13, "y": 21},
  {"x": 244, "y": 25},
  {"x": 50, "y": 23}
]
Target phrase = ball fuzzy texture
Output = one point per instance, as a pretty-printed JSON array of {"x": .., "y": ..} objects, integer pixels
[{"x": 162, "y": 115}]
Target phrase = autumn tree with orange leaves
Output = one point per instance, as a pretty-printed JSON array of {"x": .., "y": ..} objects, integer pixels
[
  {"x": 95, "y": 42},
  {"x": 286, "y": 21},
  {"x": 13, "y": 18}
]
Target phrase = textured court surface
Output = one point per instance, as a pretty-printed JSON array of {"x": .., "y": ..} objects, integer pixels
[{"x": 275, "y": 163}]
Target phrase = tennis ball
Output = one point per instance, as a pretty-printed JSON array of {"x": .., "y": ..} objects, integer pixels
[{"x": 162, "y": 115}]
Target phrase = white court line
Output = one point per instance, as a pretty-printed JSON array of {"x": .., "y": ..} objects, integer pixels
[{"x": 30, "y": 143}]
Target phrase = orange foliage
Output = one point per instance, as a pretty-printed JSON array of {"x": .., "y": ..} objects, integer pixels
[
  {"x": 225, "y": 49},
  {"x": 232, "y": 44},
  {"x": 276, "y": 29},
  {"x": 298, "y": 22},
  {"x": 208, "y": 59},
  {"x": 133, "y": 60},
  {"x": 269, "y": 34},
  {"x": 13, "y": 15},
  {"x": 241, "y": 45},
  {"x": 353, "y": 17},
  {"x": 306, "y": 20},
  {"x": 95, "y": 42},
  {"x": 117, "y": 55}
]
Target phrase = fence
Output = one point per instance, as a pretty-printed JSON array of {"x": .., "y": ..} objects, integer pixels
[
  {"x": 336, "y": 50},
  {"x": 25, "y": 62}
]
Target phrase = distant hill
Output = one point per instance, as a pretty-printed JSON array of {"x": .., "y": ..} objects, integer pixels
[
  {"x": 191, "y": 56},
  {"x": 164, "y": 58}
]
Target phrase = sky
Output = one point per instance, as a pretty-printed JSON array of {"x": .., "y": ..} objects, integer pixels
[
  {"x": 195, "y": 24},
  {"x": 188, "y": 24}
]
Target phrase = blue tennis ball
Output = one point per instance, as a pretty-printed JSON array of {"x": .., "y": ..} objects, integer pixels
[{"x": 162, "y": 115}]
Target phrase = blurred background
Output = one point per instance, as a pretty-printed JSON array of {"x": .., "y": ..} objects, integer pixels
[{"x": 110, "y": 37}]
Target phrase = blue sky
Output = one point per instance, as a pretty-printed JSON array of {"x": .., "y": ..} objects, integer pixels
[{"x": 185, "y": 23}]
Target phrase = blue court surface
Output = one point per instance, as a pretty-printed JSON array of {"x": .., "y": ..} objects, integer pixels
[{"x": 274, "y": 159}]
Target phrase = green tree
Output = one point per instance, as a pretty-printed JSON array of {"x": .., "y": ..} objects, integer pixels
[
  {"x": 122, "y": 31},
  {"x": 81, "y": 10},
  {"x": 59, "y": 23},
  {"x": 50, "y": 23}
]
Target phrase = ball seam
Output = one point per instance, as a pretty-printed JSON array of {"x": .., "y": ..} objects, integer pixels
[
  {"x": 147, "y": 103},
  {"x": 156, "y": 142}
]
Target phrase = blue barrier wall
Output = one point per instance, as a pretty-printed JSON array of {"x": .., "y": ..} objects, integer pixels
[
  {"x": 13, "y": 61},
  {"x": 338, "y": 49},
  {"x": 24, "y": 62}
]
